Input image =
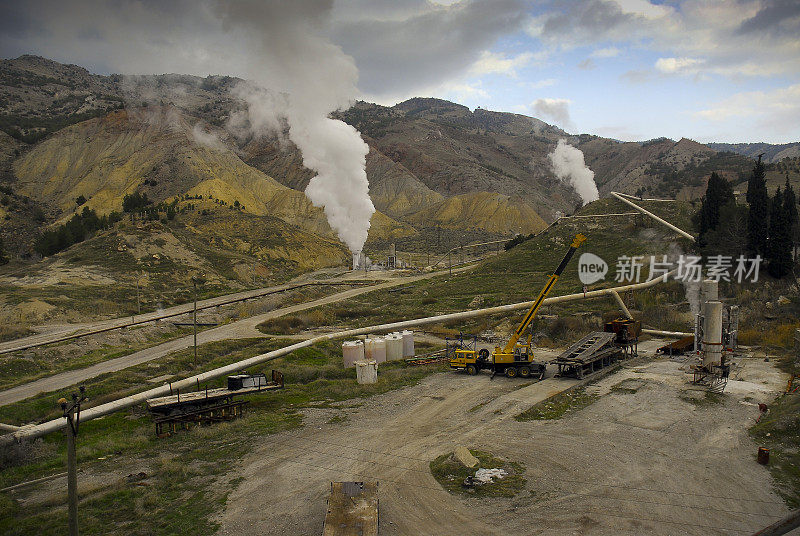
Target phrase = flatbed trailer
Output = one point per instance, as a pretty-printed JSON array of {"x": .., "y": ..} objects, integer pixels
[
  {"x": 678, "y": 347},
  {"x": 593, "y": 352},
  {"x": 352, "y": 509},
  {"x": 203, "y": 397},
  {"x": 207, "y": 406}
]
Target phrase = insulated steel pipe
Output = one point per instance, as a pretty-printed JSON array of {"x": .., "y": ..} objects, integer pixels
[
  {"x": 38, "y": 430},
  {"x": 659, "y": 220}
]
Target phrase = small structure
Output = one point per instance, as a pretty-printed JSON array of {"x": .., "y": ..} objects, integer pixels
[
  {"x": 391, "y": 261},
  {"x": 352, "y": 351},
  {"x": 366, "y": 372},
  {"x": 375, "y": 349},
  {"x": 207, "y": 406},
  {"x": 626, "y": 335},
  {"x": 394, "y": 347},
  {"x": 591, "y": 353},
  {"x": 352, "y": 509},
  {"x": 686, "y": 344},
  {"x": 408, "y": 343}
]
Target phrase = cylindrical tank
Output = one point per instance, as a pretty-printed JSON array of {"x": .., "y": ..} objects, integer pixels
[
  {"x": 710, "y": 291},
  {"x": 352, "y": 351},
  {"x": 712, "y": 334},
  {"x": 366, "y": 371},
  {"x": 408, "y": 343},
  {"x": 379, "y": 349},
  {"x": 369, "y": 345},
  {"x": 394, "y": 347}
]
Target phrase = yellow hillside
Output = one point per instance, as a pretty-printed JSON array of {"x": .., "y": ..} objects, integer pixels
[
  {"x": 154, "y": 150},
  {"x": 492, "y": 212}
]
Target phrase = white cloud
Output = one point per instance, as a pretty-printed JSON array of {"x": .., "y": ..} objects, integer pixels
[
  {"x": 644, "y": 8},
  {"x": 609, "y": 52},
  {"x": 780, "y": 107},
  {"x": 556, "y": 110},
  {"x": 676, "y": 65},
  {"x": 745, "y": 38},
  {"x": 539, "y": 84},
  {"x": 497, "y": 62},
  {"x": 462, "y": 91}
]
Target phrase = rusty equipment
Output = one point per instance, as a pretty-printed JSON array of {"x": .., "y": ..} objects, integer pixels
[
  {"x": 207, "y": 406},
  {"x": 352, "y": 509}
]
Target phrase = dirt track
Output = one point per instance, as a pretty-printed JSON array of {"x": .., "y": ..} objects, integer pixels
[{"x": 631, "y": 463}]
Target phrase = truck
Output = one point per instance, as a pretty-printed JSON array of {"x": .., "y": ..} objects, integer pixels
[{"x": 515, "y": 358}]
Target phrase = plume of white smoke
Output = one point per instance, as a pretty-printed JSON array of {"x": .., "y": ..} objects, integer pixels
[
  {"x": 300, "y": 78},
  {"x": 569, "y": 166},
  {"x": 207, "y": 137}
]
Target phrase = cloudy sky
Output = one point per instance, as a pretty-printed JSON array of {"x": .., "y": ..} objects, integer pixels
[{"x": 709, "y": 70}]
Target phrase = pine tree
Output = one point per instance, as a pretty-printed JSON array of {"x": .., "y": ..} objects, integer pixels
[
  {"x": 779, "y": 244},
  {"x": 719, "y": 193},
  {"x": 758, "y": 216},
  {"x": 790, "y": 208}
]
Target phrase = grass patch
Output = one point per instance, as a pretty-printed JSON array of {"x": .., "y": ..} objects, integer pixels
[
  {"x": 708, "y": 398},
  {"x": 336, "y": 419},
  {"x": 188, "y": 473},
  {"x": 627, "y": 387},
  {"x": 29, "y": 365},
  {"x": 779, "y": 431},
  {"x": 450, "y": 474},
  {"x": 476, "y": 407},
  {"x": 558, "y": 406}
]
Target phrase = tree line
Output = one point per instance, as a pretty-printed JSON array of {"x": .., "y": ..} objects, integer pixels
[
  {"x": 77, "y": 229},
  {"x": 767, "y": 227}
]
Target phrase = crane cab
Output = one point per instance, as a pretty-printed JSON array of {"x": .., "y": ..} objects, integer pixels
[{"x": 518, "y": 362}]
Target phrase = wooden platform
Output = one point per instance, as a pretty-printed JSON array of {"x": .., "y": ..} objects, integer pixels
[{"x": 352, "y": 509}]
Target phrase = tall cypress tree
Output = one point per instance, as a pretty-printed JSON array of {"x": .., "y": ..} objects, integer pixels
[
  {"x": 779, "y": 244},
  {"x": 758, "y": 216},
  {"x": 790, "y": 209},
  {"x": 718, "y": 194}
]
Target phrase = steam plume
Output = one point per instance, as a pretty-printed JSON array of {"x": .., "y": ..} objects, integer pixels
[
  {"x": 300, "y": 78},
  {"x": 569, "y": 166}
]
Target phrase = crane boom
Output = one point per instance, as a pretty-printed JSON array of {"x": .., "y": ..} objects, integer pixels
[{"x": 576, "y": 243}]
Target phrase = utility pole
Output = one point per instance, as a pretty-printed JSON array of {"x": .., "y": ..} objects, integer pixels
[
  {"x": 195, "y": 281},
  {"x": 72, "y": 413},
  {"x": 449, "y": 263},
  {"x": 194, "y": 321}
]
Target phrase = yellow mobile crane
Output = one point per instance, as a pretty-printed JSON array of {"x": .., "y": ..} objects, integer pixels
[{"x": 516, "y": 358}]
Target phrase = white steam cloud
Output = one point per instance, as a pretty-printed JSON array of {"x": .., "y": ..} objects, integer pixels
[
  {"x": 300, "y": 78},
  {"x": 569, "y": 166}
]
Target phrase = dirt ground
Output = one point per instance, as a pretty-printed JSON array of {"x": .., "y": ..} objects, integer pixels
[{"x": 649, "y": 461}]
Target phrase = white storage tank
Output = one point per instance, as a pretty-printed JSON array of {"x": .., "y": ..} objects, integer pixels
[
  {"x": 375, "y": 349},
  {"x": 379, "y": 349},
  {"x": 408, "y": 343},
  {"x": 366, "y": 371},
  {"x": 394, "y": 347},
  {"x": 352, "y": 351}
]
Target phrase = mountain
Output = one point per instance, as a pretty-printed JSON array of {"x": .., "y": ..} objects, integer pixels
[
  {"x": 433, "y": 166},
  {"x": 772, "y": 152}
]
